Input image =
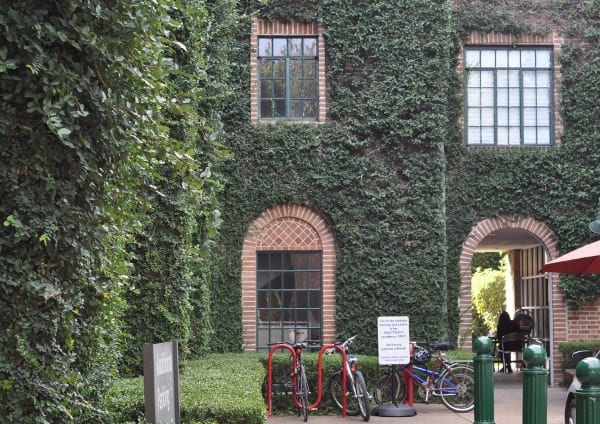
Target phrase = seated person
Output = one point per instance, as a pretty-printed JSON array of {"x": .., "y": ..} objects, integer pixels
[{"x": 506, "y": 326}]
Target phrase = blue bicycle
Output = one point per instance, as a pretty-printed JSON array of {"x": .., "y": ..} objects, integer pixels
[{"x": 451, "y": 381}]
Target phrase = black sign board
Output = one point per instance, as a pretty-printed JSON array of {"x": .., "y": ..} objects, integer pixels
[{"x": 161, "y": 383}]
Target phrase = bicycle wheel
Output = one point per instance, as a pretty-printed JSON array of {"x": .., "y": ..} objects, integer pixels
[
  {"x": 303, "y": 395},
  {"x": 457, "y": 390},
  {"x": 335, "y": 389},
  {"x": 383, "y": 389},
  {"x": 362, "y": 395}
]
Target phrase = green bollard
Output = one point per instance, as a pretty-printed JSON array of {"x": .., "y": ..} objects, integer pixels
[
  {"x": 484, "y": 381},
  {"x": 535, "y": 386},
  {"x": 587, "y": 399}
]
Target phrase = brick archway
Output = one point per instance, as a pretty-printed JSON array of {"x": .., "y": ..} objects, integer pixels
[
  {"x": 287, "y": 227},
  {"x": 477, "y": 234}
]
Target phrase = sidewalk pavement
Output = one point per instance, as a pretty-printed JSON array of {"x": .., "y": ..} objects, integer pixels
[{"x": 508, "y": 400}]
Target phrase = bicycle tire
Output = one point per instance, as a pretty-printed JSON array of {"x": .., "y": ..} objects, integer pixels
[
  {"x": 457, "y": 390},
  {"x": 362, "y": 395},
  {"x": 334, "y": 385},
  {"x": 303, "y": 395},
  {"x": 383, "y": 389}
]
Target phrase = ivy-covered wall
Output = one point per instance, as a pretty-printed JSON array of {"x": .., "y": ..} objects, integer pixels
[{"x": 390, "y": 172}]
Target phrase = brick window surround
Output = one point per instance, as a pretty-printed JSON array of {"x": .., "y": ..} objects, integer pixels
[
  {"x": 287, "y": 29},
  {"x": 287, "y": 227},
  {"x": 553, "y": 40}
]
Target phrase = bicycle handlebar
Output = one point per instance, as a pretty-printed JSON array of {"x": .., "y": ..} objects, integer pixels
[{"x": 343, "y": 344}]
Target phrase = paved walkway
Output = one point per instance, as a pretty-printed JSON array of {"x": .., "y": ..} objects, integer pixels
[{"x": 508, "y": 400}]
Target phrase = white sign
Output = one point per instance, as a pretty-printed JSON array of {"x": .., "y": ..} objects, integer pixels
[{"x": 393, "y": 340}]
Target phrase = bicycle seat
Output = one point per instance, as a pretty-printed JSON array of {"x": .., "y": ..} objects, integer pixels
[
  {"x": 441, "y": 346},
  {"x": 306, "y": 343}
]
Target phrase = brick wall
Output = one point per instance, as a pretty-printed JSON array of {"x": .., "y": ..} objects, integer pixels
[{"x": 287, "y": 227}]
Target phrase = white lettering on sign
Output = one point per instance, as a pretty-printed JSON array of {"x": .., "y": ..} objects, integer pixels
[
  {"x": 164, "y": 364},
  {"x": 393, "y": 340},
  {"x": 164, "y": 398}
]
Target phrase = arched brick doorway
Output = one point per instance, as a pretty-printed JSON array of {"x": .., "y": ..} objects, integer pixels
[
  {"x": 287, "y": 228},
  {"x": 484, "y": 228}
]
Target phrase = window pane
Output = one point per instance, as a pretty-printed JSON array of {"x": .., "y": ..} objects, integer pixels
[
  {"x": 514, "y": 59},
  {"x": 543, "y": 59},
  {"x": 310, "y": 68},
  {"x": 279, "y": 88},
  {"x": 513, "y": 97},
  {"x": 487, "y": 116},
  {"x": 487, "y": 78},
  {"x": 514, "y": 117},
  {"x": 302, "y": 299},
  {"x": 502, "y": 114},
  {"x": 502, "y": 136},
  {"x": 315, "y": 280},
  {"x": 315, "y": 317},
  {"x": 279, "y": 111},
  {"x": 488, "y": 58},
  {"x": 310, "y": 89},
  {"x": 473, "y": 97},
  {"x": 543, "y": 135},
  {"x": 473, "y": 116},
  {"x": 543, "y": 97},
  {"x": 296, "y": 88},
  {"x": 310, "y": 47},
  {"x": 266, "y": 88},
  {"x": 529, "y": 116},
  {"x": 266, "y": 68},
  {"x": 513, "y": 79},
  {"x": 487, "y": 135},
  {"x": 502, "y": 99},
  {"x": 528, "y": 78},
  {"x": 502, "y": 78},
  {"x": 474, "y": 135},
  {"x": 528, "y": 58},
  {"x": 295, "y": 68},
  {"x": 529, "y": 135},
  {"x": 474, "y": 79},
  {"x": 279, "y": 68},
  {"x": 295, "y": 47},
  {"x": 265, "y": 109},
  {"x": 543, "y": 116},
  {"x": 502, "y": 58},
  {"x": 472, "y": 58},
  {"x": 543, "y": 78},
  {"x": 262, "y": 280},
  {"x": 296, "y": 108},
  {"x": 265, "y": 47},
  {"x": 514, "y": 136},
  {"x": 279, "y": 47},
  {"x": 529, "y": 97},
  {"x": 487, "y": 97}
]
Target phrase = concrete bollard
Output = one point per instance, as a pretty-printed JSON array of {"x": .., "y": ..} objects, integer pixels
[
  {"x": 484, "y": 381},
  {"x": 535, "y": 386},
  {"x": 587, "y": 399}
]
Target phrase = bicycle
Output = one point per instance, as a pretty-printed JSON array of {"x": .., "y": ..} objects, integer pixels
[
  {"x": 451, "y": 381},
  {"x": 357, "y": 396},
  {"x": 300, "y": 385}
]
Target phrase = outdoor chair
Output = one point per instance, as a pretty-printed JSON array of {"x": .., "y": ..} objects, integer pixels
[{"x": 512, "y": 342}]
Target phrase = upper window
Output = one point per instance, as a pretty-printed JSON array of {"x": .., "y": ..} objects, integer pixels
[
  {"x": 287, "y": 75},
  {"x": 508, "y": 97}
]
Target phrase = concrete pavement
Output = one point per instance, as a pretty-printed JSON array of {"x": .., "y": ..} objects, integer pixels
[{"x": 508, "y": 399}]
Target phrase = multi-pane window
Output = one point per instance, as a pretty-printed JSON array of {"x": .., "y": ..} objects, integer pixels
[
  {"x": 287, "y": 77},
  {"x": 508, "y": 96},
  {"x": 288, "y": 297}
]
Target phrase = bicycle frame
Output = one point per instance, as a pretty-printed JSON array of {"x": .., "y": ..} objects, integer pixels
[{"x": 428, "y": 383}]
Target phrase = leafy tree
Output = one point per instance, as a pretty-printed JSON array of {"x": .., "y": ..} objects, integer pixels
[{"x": 488, "y": 297}]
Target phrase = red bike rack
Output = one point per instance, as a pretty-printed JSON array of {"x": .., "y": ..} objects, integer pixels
[
  {"x": 406, "y": 376},
  {"x": 319, "y": 375}
]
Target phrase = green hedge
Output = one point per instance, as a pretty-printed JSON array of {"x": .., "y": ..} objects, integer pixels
[{"x": 219, "y": 388}]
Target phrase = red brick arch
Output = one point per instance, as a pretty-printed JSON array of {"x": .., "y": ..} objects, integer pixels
[
  {"x": 477, "y": 234},
  {"x": 287, "y": 227}
]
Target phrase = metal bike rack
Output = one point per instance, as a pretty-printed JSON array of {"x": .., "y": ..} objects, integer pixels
[{"x": 319, "y": 375}]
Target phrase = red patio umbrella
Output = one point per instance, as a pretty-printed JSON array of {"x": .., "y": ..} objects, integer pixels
[{"x": 584, "y": 260}]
